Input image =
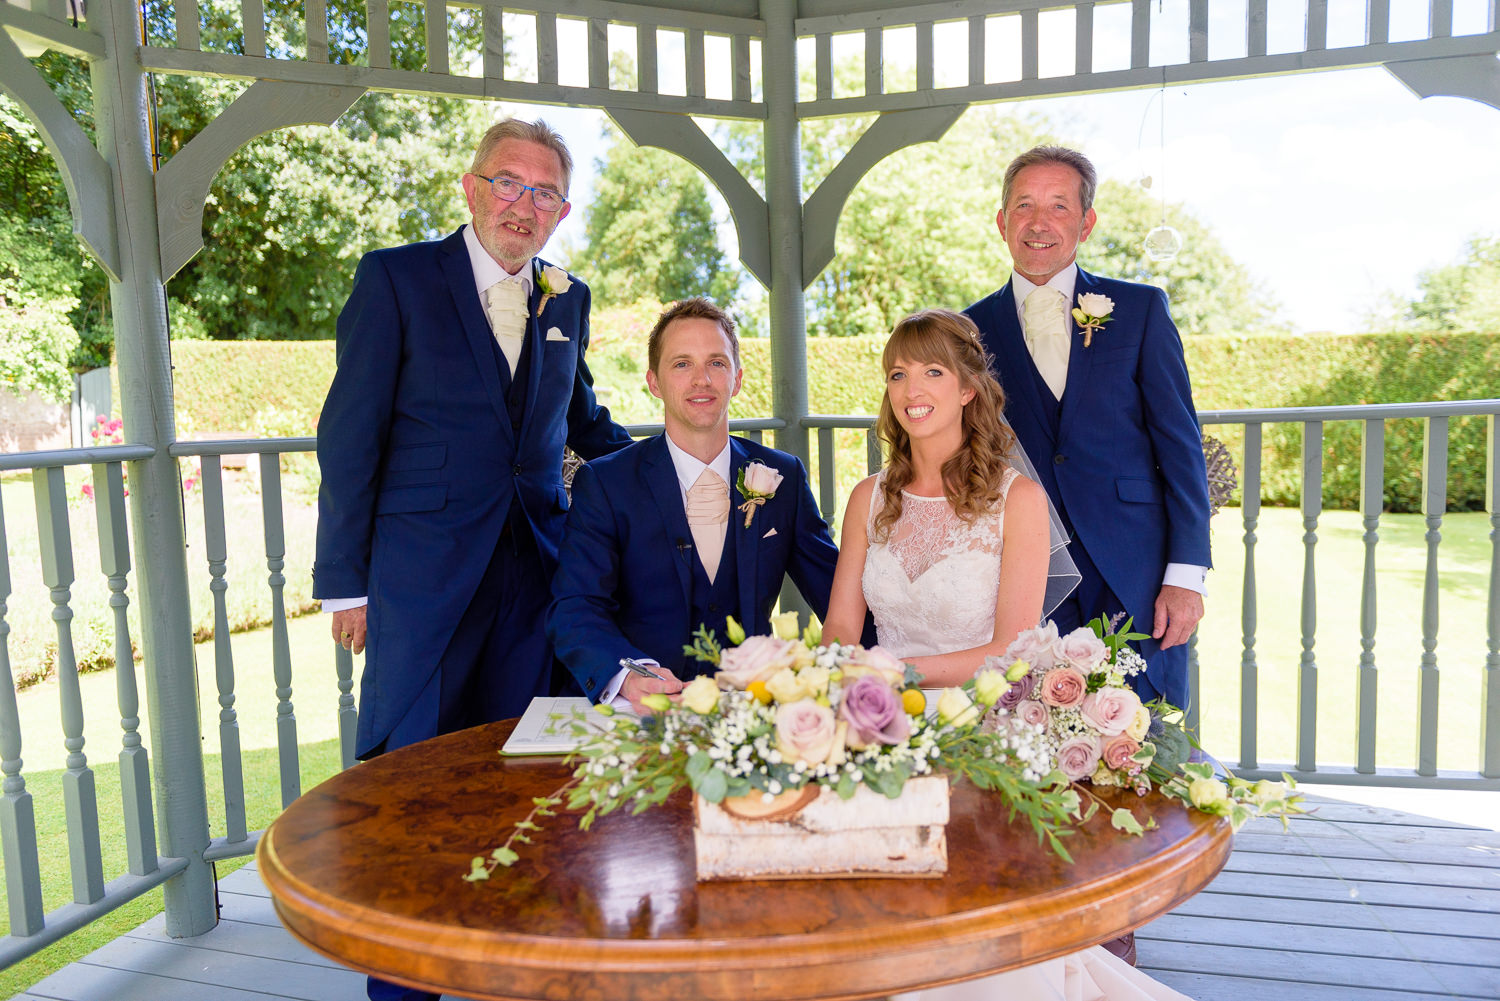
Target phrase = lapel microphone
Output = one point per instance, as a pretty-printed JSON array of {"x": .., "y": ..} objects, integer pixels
[{"x": 684, "y": 547}]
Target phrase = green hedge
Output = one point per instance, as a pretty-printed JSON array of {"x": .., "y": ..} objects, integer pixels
[{"x": 278, "y": 387}]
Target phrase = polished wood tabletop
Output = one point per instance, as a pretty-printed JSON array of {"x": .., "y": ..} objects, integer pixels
[{"x": 368, "y": 869}]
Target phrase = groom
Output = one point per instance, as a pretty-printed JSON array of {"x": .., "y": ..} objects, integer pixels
[
  {"x": 660, "y": 540},
  {"x": 1106, "y": 415}
]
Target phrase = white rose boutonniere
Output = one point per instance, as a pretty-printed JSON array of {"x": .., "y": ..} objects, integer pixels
[
  {"x": 757, "y": 484},
  {"x": 1092, "y": 312},
  {"x": 553, "y": 281}
]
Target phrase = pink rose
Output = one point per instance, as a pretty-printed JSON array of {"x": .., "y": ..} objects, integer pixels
[
  {"x": 1035, "y": 647},
  {"x": 1110, "y": 710},
  {"x": 877, "y": 659},
  {"x": 756, "y": 659},
  {"x": 761, "y": 479},
  {"x": 1033, "y": 712},
  {"x": 1118, "y": 751},
  {"x": 874, "y": 713},
  {"x": 805, "y": 731},
  {"x": 1078, "y": 757},
  {"x": 1063, "y": 687},
  {"x": 1082, "y": 649}
]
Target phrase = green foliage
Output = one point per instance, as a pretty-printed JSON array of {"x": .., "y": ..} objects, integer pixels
[
  {"x": 651, "y": 231},
  {"x": 1463, "y": 296},
  {"x": 223, "y": 387}
]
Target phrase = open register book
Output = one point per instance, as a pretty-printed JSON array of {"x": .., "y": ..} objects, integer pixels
[{"x": 547, "y": 725}]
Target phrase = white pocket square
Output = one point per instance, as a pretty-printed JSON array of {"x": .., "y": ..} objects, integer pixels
[
  {"x": 769, "y": 534},
  {"x": 554, "y": 334}
]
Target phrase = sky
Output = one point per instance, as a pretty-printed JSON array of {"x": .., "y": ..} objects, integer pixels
[{"x": 1334, "y": 189}]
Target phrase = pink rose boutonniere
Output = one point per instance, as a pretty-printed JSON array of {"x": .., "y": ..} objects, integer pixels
[
  {"x": 553, "y": 281},
  {"x": 1092, "y": 312},
  {"x": 757, "y": 484}
]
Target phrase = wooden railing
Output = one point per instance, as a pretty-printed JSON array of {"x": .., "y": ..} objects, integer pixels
[{"x": 32, "y": 927}]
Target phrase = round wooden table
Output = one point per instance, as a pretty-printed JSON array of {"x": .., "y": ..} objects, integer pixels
[{"x": 368, "y": 869}]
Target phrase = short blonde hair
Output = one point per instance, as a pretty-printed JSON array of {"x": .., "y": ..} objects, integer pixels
[{"x": 535, "y": 132}]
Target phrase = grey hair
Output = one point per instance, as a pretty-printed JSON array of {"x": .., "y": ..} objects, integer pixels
[
  {"x": 1088, "y": 178},
  {"x": 536, "y": 132}
]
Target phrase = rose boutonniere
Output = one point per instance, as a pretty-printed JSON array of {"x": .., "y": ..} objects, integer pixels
[
  {"x": 1092, "y": 312},
  {"x": 553, "y": 281},
  {"x": 757, "y": 484}
]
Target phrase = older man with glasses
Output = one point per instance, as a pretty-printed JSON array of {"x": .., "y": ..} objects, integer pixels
[{"x": 460, "y": 377}]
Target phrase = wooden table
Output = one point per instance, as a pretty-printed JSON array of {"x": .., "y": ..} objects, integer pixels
[{"x": 367, "y": 868}]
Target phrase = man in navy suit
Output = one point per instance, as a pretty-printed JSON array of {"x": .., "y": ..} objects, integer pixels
[
  {"x": 1102, "y": 404},
  {"x": 460, "y": 377},
  {"x": 661, "y": 539}
]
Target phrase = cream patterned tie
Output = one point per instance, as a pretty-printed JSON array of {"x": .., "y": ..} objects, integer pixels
[
  {"x": 1046, "y": 325},
  {"x": 505, "y": 305},
  {"x": 708, "y": 517}
]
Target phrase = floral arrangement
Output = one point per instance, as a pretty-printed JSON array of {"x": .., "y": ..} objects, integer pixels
[
  {"x": 784, "y": 713},
  {"x": 552, "y": 281},
  {"x": 1091, "y": 313},
  {"x": 1072, "y": 690}
]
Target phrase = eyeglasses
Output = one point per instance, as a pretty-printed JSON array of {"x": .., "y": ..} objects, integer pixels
[{"x": 508, "y": 189}]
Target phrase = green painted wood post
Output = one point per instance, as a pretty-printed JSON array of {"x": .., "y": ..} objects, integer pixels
[
  {"x": 1307, "y": 668},
  {"x": 1489, "y": 702},
  {"x": 1434, "y": 504},
  {"x": 135, "y": 762},
  {"x": 783, "y": 153},
  {"x": 143, "y": 356},
  {"x": 281, "y": 651},
  {"x": 216, "y": 552},
  {"x": 1371, "y": 502},
  {"x": 23, "y": 879},
  {"x": 1249, "y": 671}
]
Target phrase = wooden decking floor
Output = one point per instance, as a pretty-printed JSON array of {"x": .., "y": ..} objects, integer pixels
[{"x": 1358, "y": 903}]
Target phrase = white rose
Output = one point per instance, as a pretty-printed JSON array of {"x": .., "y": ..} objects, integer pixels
[
  {"x": 701, "y": 695},
  {"x": 761, "y": 479},
  {"x": 556, "y": 280},
  {"x": 1095, "y": 304}
]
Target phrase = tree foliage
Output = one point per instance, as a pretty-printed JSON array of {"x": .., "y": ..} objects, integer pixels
[{"x": 1461, "y": 297}]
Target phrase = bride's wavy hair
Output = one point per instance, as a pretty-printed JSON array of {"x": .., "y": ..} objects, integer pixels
[{"x": 972, "y": 475}]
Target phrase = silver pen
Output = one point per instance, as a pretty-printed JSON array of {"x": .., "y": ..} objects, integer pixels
[{"x": 637, "y": 667}]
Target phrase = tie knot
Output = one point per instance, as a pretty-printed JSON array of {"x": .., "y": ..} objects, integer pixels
[
  {"x": 1044, "y": 300},
  {"x": 708, "y": 499}
]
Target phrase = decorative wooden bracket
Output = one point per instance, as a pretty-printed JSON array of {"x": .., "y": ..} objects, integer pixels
[{"x": 1474, "y": 77}]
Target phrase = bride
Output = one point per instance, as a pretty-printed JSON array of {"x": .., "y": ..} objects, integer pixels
[{"x": 921, "y": 549}]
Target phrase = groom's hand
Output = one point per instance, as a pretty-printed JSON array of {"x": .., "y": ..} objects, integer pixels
[
  {"x": 637, "y": 687},
  {"x": 1178, "y": 610}
]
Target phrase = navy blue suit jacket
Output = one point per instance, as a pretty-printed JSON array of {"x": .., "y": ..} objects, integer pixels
[
  {"x": 1126, "y": 457},
  {"x": 624, "y": 581},
  {"x": 420, "y": 465}
]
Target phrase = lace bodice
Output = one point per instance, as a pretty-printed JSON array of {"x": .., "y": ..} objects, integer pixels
[{"x": 932, "y": 585}]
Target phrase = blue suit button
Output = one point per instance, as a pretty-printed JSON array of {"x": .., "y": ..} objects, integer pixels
[
  {"x": 516, "y": 470},
  {"x": 1059, "y": 459}
]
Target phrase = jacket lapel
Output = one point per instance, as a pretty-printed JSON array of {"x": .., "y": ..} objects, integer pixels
[
  {"x": 661, "y": 482},
  {"x": 454, "y": 261},
  {"x": 533, "y": 346},
  {"x": 746, "y": 540},
  {"x": 1016, "y": 366},
  {"x": 1080, "y": 359}
]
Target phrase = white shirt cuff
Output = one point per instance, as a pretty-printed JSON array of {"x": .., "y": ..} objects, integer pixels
[
  {"x": 342, "y": 604},
  {"x": 611, "y": 693},
  {"x": 1194, "y": 578}
]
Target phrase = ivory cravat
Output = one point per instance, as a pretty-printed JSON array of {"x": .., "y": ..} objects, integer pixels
[
  {"x": 708, "y": 517},
  {"x": 505, "y": 305},
  {"x": 1046, "y": 327}
]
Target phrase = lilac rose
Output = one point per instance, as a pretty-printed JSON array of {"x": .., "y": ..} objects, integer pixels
[
  {"x": 874, "y": 713},
  {"x": 1078, "y": 757},
  {"x": 1018, "y": 692}
]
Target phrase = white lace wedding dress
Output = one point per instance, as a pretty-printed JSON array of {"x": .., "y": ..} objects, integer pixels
[{"x": 932, "y": 588}]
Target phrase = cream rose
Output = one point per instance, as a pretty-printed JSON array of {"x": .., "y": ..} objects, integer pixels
[
  {"x": 989, "y": 686},
  {"x": 756, "y": 659},
  {"x": 815, "y": 679},
  {"x": 1078, "y": 757},
  {"x": 1141, "y": 724},
  {"x": 785, "y": 626},
  {"x": 1081, "y": 649},
  {"x": 955, "y": 707},
  {"x": 701, "y": 695},
  {"x": 1110, "y": 710},
  {"x": 1207, "y": 794},
  {"x": 1095, "y": 304},
  {"x": 555, "y": 281},
  {"x": 1063, "y": 687},
  {"x": 805, "y": 732},
  {"x": 787, "y": 685}
]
